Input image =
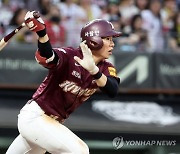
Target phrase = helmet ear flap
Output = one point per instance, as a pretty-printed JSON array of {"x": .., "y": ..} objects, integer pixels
[{"x": 94, "y": 43}]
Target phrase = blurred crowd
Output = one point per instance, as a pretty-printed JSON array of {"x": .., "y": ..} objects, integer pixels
[{"x": 146, "y": 25}]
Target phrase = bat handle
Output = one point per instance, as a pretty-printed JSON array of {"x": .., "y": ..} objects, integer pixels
[
  {"x": 2, "y": 44},
  {"x": 10, "y": 35}
]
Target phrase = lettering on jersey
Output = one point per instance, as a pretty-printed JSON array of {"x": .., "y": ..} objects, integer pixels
[
  {"x": 92, "y": 33},
  {"x": 76, "y": 74},
  {"x": 112, "y": 71},
  {"x": 71, "y": 87}
]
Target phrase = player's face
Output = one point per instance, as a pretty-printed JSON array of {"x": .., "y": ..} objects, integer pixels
[{"x": 106, "y": 50}]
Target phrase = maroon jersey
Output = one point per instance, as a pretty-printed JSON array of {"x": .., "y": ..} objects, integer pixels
[{"x": 68, "y": 84}]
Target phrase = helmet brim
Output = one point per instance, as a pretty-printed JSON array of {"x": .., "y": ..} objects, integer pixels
[{"x": 113, "y": 33}]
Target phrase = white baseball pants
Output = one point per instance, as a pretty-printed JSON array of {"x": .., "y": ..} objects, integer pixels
[{"x": 40, "y": 133}]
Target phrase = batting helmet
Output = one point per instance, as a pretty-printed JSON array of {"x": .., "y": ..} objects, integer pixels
[{"x": 93, "y": 32}]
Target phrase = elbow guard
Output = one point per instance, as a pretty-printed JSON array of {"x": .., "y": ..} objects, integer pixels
[{"x": 44, "y": 61}]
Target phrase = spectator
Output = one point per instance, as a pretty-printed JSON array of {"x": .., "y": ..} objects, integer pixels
[
  {"x": 127, "y": 10},
  {"x": 55, "y": 30},
  {"x": 142, "y": 4},
  {"x": 73, "y": 18},
  {"x": 91, "y": 10},
  {"x": 6, "y": 13},
  {"x": 178, "y": 4},
  {"x": 99, "y": 3},
  {"x": 113, "y": 11},
  {"x": 15, "y": 4},
  {"x": 2, "y": 30},
  {"x": 114, "y": 16},
  {"x": 104, "y": 11},
  {"x": 32, "y": 5},
  {"x": 174, "y": 40},
  {"x": 44, "y": 7},
  {"x": 138, "y": 36},
  {"x": 136, "y": 40},
  {"x": 168, "y": 11},
  {"x": 153, "y": 24},
  {"x": 23, "y": 36}
]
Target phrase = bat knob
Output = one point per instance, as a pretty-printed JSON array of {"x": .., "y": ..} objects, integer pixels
[{"x": 36, "y": 14}]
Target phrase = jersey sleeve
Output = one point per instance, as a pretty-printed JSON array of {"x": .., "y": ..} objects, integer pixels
[{"x": 110, "y": 70}]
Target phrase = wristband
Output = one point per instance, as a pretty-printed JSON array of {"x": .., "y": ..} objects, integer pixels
[
  {"x": 41, "y": 33},
  {"x": 97, "y": 75}
]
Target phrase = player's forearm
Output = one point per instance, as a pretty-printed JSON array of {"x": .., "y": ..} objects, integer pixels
[
  {"x": 45, "y": 48},
  {"x": 44, "y": 45},
  {"x": 43, "y": 39},
  {"x": 101, "y": 82},
  {"x": 108, "y": 85}
]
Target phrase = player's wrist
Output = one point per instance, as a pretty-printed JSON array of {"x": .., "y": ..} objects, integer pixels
[
  {"x": 94, "y": 70},
  {"x": 97, "y": 75},
  {"x": 41, "y": 33}
]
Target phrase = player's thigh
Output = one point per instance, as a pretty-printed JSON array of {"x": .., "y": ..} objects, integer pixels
[
  {"x": 53, "y": 136},
  {"x": 21, "y": 146},
  {"x": 65, "y": 140}
]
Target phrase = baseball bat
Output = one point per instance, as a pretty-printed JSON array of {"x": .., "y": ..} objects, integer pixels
[{"x": 4, "y": 41}]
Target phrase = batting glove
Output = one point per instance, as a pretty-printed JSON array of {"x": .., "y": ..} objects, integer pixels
[
  {"x": 87, "y": 62},
  {"x": 33, "y": 21}
]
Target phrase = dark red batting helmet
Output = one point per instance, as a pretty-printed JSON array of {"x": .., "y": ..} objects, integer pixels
[{"x": 95, "y": 30}]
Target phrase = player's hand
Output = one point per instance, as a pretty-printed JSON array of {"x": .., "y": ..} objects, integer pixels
[
  {"x": 87, "y": 62},
  {"x": 33, "y": 21}
]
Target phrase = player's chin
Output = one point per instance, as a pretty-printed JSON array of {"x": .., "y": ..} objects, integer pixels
[
  {"x": 109, "y": 53},
  {"x": 106, "y": 56}
]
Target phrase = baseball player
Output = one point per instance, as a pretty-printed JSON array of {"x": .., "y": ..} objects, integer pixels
[{"x": 74, "y": 75}]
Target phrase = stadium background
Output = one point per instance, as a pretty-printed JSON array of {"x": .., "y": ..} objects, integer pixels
[{"x": 146, "y": 109}]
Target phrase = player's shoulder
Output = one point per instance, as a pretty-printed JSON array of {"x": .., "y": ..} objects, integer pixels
[
  {"x": 66, "y": 50},
  {"x": 106, "y": 63},
  {"x": 108, "y": 68}
]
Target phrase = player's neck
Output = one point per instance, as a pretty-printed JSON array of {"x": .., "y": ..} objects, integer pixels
[{"x": 97, "y": 59}]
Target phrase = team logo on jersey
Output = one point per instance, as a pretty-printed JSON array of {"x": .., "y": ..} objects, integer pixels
[
  {"x": 76, "y": 74},
  {"x": 112, "y": 71}
]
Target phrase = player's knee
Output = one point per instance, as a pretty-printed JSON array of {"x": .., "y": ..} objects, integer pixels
[
  {"x": 81, "y": 148},
  {"x": 84, "y": 148}
]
